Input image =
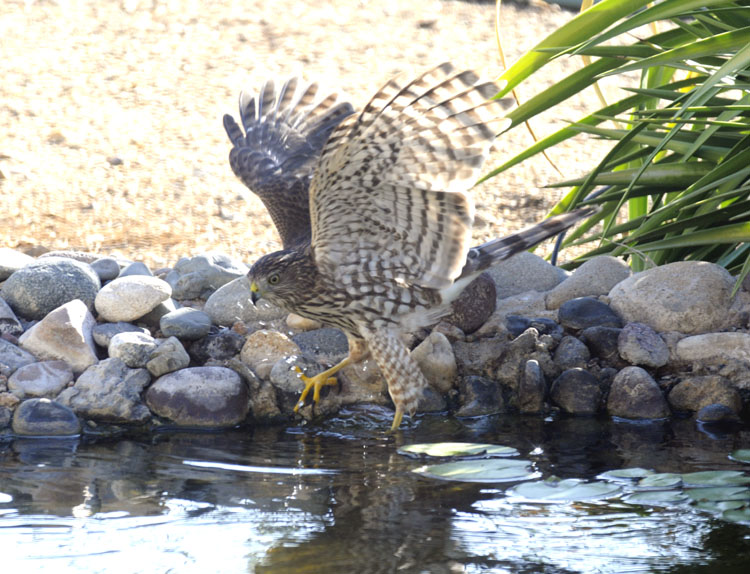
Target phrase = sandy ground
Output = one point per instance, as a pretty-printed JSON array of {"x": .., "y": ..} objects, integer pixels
[{"x": 112, "y": 140}]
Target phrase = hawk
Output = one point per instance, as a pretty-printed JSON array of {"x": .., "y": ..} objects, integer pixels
[{"x": 373, "y": 210}]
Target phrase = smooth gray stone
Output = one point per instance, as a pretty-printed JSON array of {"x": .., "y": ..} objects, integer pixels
[
  {"x": 44, "y": 417},
  {"x": 185, "y": 323}
]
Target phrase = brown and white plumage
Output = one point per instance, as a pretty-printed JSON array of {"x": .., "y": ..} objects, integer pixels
[{"x": 391, "y": 222}]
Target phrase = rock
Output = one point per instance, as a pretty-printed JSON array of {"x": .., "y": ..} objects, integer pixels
[
  {"x": 212, "y": 397},
  {"x": 109, "y": 392},
  {"x": 81, "y": 256},
  {"x": 532, "y": 389},
  {"x": 530, "y": 304},
  {"x": 9, "y": 400},
  {"x": 13, "y": 357},
  {"x": 231, "y": 303},
  {"x": 585, "y": 312},
  {"x": 713, "y": 348},
  {"x": 571, "y": 353},
  {"x": 43, "y": 417},
  {"x": 169, "y": 356},
  {"x": 635, "y": 395},
  {"x": 431, "y": 401},
  {"x": 595, "y": 277},
  {"x": 435, "y": 358},
  {"x": 198, "y": 277},
  {"x": 103, "y": 332},
  {"x": 525, "y": 272},
  {"x": 46, "y": 284},
  {"x": 153, "y": 318},
  {"x": 40, "y": 380},
  {"x": 326, "y": 345},
  {"x": 298, "y": 323},
  {"x": 5, "y": 415},
  {"x": 136, "y": 268},
  {"x": 106, "y": 268},
  {"x": 479, "y": 357},
  {"x": 717, "y": 414},
  {"x": 479, "y": 396},
  {"x": 263, "y": 401},
  {"x": 216, "y": 346},
  {"x": 695, "y": 392},
  {"x": 639, "y": 344},
  {"x": 690, "y": 296},
  {"x": 451, "y": 332},
  {"x": 517, "y": 325},
  {"x": 576, "y": 392},
  {"x": 475, "y": 304},
  {"x": 185, "y": 323},
  {"x": 9, "y": 323},
  {"x": 133, "y": 349},
  {"x": 263, "y": 349},
  {"x": 603, "y": 343},
  {"x": 131, "y": 297},
  {"x": 528, "y": 345},
  {"x": 11, "y": 261},
  {"x": 65, "y": 334}
]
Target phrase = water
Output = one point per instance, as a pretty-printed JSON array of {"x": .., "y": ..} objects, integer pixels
[{"x": 337, "y": 497}]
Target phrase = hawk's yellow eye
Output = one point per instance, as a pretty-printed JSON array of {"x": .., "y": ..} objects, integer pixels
[{"x": 273, "y": 279}]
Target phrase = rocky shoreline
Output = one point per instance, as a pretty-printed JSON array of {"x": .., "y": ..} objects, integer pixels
[{"x": 89, "y": 344}]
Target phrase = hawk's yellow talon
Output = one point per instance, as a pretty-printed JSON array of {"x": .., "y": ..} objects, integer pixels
[{"x": 317, "y": 382}]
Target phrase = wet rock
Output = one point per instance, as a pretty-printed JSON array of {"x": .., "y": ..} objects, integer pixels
[
  {"x": 717, "y": 413},
  {"x": 46, "y": 284},
  {"x": 299, "y": 323},
  {"x": 479, "y": 357},
  {"x": 109, "y": 392},
  {"x": 571, "y": 353},
  {"x": 603, "y": 343},
  {"x": 694, "y": 393},
  {"x": 43, "y": 417},
  {"x": 576, "y": 392},
  {"x": 692, "y": 296},
  {"x": 133, "y": 349},
  {"x": 136, "y": 268},
  {"x": 431, "y": 401},
  {"x": 106, "y": 268},
  {"x": 475, "y": 304},
  {"x": 13, "y": 357},
  {"x": 263, "y": 349},
  {"x": 639, "y": 344},
  {"x": 595, "y": 277},
  {"x": 9, "y": 323},
  {"x": 212, "y": 397},
  {"x": 635, "y": 395},
  {"x": 525, "y": 272},
  {"x": 11, "y": 261},
  {"x": 326, "y": 345},
  {"x": 40, "y": 380},
  {"x": 435, "y": 358},
  {"x": 131, "y": 297},
  {"x": 169, "y": 356},
  {"x": 185, "y": 323},
  {"x": 198, "y": 277},
  {"x": 479, "y": 396},
  {"x": 65, "y": 334},
  {"x": 584, "y": 312},
  {"x": 532, "y": 389},
  {"x": 231, "y": 303},
  {"x": 217, "y": 346},
  {"x": 5, "y": 415},
  {"x": 103, "y": 332}
]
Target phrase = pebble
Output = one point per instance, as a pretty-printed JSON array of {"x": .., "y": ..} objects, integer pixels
[
  {"x": 43, "y": 417},
  {"x": 11, "y": 261},
  {"x": 576, "y": 392},
  {"x": 109, "y": 392},
  {"x": 326, "y": 345},
  {"x": 103, "y": 332},
  {"x": 571, "y": 353},
  {"x": 65, "y": 334},
  {"x": 231, "y": 303},
  {"x": 212, "y": 397},
  {"x": 525, "y": 272},
  {"x": 45, "y": 379},
  {"x": 635, "y": 395},
  {"x": 474, "y": 305},
  {"x": 584, "y": 312},
  {"x": 106, "y": 268},
  {"x": 169, "y": 356},
  {"x": 13, "y": 357},
  {"x": 479, "y": 396},
  {"x": 46, "y": 284},
  {"x": 185, "y": 323},
  {"x": 532, "y": 389},
  {"x": 132, "y": 348},
  {"x": 216, "y": 346},
  {"x": 688, "y": 296},
  {"x": 263, "y": 349},
  {"x": 136, "y": 268},
  {"x": 639, "y": 344},
  {"x": 9, "y": 323},
  {"x": 200, "y": 276},
  {"x": 595, "y": 277},
  {"x": 693, "y": 393},
  {"x": 131, "y": 297},
  {"x": 437, "y": 362}
]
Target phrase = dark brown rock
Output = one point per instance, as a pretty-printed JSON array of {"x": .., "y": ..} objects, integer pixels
[
  {"x": 576, "y": 392},
  {"x": 475, "y": 304},
  {"x": 635, "y": 395},
  {"x": 694, "y": 393}
]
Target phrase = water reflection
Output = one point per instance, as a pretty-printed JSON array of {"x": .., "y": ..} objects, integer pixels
[{"x": 337, "y": 498}]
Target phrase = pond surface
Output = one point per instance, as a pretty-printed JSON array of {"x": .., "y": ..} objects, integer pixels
[{"x": 337, "y": 497}]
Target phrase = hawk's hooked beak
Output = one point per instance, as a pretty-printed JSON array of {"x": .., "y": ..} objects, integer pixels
[{"x": 254, "y": 292}]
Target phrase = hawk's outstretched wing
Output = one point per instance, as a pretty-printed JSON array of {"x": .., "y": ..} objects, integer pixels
[
  {"x": 388, "y": 198},
  {"x": 284, "y": 133}
]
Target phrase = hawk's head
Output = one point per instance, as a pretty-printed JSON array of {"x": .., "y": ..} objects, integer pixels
[{"x": 282, "y": 278}]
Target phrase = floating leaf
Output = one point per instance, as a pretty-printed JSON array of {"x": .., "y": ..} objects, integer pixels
[
  {"x": 741, "y": 455},
  {"x": 484, "y": 470},
  {"x": 719, "y": 493},
  {"x": 719, "y": 505},
  {"x": 739, "y": 515},
  {"x": 456, "y": 449},
  {"x": 660, "y": 481},
  {"x": 715, "y": 478},
  {"x": 568, "y": 490},
  {"x": 656, "y": 497},
  {"x": 626, "y": 474},
  {"x": 5, "y": 498}
]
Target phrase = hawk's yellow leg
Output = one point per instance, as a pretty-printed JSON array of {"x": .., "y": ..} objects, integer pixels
[
  {"x": 318, "y": 381},
  {"x": 397, "y": 419}
]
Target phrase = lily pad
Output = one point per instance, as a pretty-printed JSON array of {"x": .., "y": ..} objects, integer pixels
[
  {"x": 568, "y": 490},
  {"x": 738, "y": 515},
  {"x": 720, "y": 505},
  {"x": 660, "y": 481},
  {"x": 5, "y": 498},
  {"x": 484, "y": 470},
  {"x": 719, "y": 493},
  {"x": 656, "y": 497},
  {"x": 456, "y": 449},
  {"x": 741, "y": 455},
  {"x": 626, "y": 474},
  {"x": 715, "y": 478}
]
